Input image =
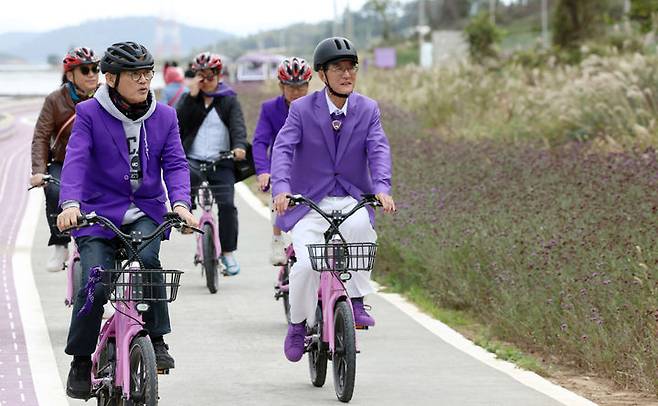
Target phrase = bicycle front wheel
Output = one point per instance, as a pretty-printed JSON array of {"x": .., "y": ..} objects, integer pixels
[
  {"x": 143, "y": 374},
  {"x": 210, "y": 258},
  {"x": 344, "y": 358}
]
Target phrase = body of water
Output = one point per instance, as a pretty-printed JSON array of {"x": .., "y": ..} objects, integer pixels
[{"x": 37, "y": 81}]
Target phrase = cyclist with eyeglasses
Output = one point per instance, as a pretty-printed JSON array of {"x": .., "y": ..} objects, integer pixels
[
  {"x": 211, "y": 122},
  {"x": 294, "y": 75},
  {"x": 51, "y": 134},
  {"x": 331, "y": 149},
  {"x": 122, "y": 146}
]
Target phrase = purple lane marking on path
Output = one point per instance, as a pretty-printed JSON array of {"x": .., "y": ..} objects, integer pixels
[{"x": 16, "y": 385}]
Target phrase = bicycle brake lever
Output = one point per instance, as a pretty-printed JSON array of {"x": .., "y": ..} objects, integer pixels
[
  {"x": 294, "y": 200},
  {"x": 196, "y": 230}
]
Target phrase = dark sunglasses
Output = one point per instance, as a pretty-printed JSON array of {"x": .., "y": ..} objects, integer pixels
[
  {"x": 84, "y": 69},
  {"x": 206, "y": 77}
]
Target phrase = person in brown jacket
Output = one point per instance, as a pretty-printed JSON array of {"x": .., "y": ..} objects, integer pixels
[{"x": 51, "y": 134}]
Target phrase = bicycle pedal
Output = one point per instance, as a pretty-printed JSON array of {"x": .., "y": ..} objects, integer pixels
[
  {"x": 361, "y": 327},
  {"x": 163, "y": 372}
]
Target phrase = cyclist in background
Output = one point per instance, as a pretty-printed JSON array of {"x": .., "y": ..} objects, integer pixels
[
  {"x": 122, "y": 146},
  {"x": 211, "y": 122},
  {"x": 51, "y": 134},
  {"x": 332, "y": 149},
  {"x": 294, "y": 76},
  {"x": 174, "y": 86}
]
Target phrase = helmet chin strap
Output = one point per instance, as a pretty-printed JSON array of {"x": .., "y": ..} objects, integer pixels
[{"x": 335, "y": 93}]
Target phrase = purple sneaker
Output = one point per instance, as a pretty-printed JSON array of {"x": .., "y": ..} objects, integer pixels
[
  {"x": 361, "y": 317},
  {"x": 293, "y": 346}
]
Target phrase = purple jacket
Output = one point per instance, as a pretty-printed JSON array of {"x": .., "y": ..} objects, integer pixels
[
  {"x": 305, "y": 160},
  {"x": 273, "y": 114},
  {"x": 96, "y": 170}
]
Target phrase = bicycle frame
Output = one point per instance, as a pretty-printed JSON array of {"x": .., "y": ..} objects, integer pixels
[
  {"x": 206, "y": 201},
  {"x": 124, "y": 325},
  {"x": 70, "y": 271},
  {"x": 332, "y": 288},
  {"x": 207, "y": 218},
  {"x": 70, "y": 274},
  {"x": 280, "y": 286}
]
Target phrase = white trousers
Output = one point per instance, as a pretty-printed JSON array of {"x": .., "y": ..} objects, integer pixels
[{"x": 304, "y": 281}]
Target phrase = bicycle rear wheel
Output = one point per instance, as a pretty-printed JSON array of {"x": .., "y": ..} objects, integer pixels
[
  {"x": 284, "y": 295},
  {"x": 143, "y": 374},
  {"x": 210, "y": 258},
  {"x": 317, "y": 355},
  {"x": 344, "y": 357},
  {"x": 106, "y": 367}
]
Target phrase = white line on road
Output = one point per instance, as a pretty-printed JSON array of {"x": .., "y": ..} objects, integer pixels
[
  {"x": 47, "y": 383},
  {"x": 450, "y": 336}
]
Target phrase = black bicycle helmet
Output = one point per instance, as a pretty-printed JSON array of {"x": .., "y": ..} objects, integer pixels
[
  {"x": 333, "y": 49},
  {"x": 126, "y": 56}
]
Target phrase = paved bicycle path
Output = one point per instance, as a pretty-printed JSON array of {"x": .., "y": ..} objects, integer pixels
[
  {"x": 16, "y": 386},
  {"x": 229, "y": 347}
]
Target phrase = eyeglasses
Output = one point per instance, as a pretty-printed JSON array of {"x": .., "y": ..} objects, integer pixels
[
  {"x": 206, "y": 77},
  {"x": 337, "y": 69},
  {"x": 84, "y": 69},
  {"x": 136, "y": 76}
]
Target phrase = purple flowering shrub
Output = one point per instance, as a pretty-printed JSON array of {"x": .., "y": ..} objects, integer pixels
[{"x": 554, "y": 248}]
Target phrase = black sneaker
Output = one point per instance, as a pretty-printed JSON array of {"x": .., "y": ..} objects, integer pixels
[
  {"x": 78, "y": 384},
  {"x": 163, "y": 359}
]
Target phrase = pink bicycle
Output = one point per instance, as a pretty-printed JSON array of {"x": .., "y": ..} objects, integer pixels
[
  {"x": 124, "y": 371},
  {"x": 281, "y": 286},
  {"x": 333, "y": 337},
  {"x": 72, "y": 266},
  {"x": 208, "y": 247}
]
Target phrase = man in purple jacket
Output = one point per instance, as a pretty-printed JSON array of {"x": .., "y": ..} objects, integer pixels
[
  {"x": 294, "y": 74},
  {"x": 122, "y": 145},
  {"x": 332, "y": 149}
]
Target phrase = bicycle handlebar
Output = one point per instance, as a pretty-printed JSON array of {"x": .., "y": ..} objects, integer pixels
[
  {"x": 222, "y": 157},
  {"x": 171, "y": 220},
  {"x": 46, "y": 179},
  {"x": 366, "y": 200}
]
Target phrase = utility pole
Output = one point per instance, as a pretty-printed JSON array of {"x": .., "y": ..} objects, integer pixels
[
  {"x": 544, "y": 23},
  {"x": 421, "y": 23},
  {"x": 349, "y": 22},
  {"x": 335, "y": 28}
]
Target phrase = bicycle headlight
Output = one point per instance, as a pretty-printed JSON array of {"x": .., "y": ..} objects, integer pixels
[{"x": 142, "y": 307}]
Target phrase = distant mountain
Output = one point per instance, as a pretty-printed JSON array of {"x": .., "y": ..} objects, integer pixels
[{"x": 99, "y": 34}]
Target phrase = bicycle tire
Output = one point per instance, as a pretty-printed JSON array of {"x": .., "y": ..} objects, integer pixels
[
  {"x": 210, "y": 258},
  {"x": 285, "y": 295},
  {"x": 317, "y": 357},
  {"x": 144, "y": 380},
  {"x": 106, "y": 368},
  {"x": 344, "y": 357}
]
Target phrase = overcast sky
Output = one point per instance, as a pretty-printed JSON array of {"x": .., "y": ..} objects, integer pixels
[{"x": 235, "y": 16}]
